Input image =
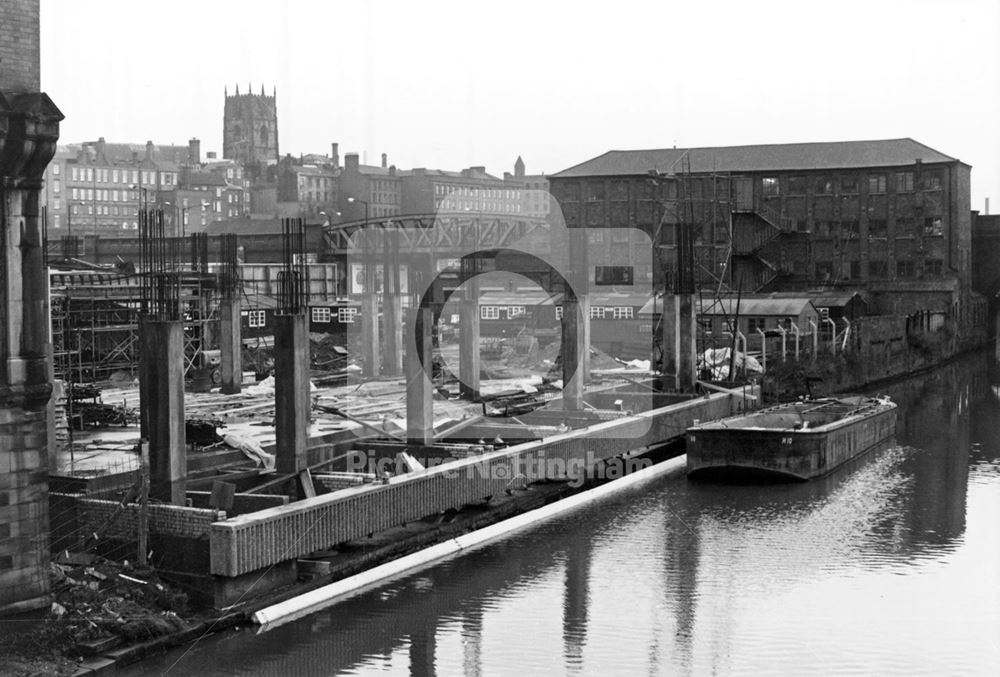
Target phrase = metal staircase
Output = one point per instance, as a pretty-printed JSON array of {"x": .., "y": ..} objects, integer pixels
[{"x": 756, "y": 231}]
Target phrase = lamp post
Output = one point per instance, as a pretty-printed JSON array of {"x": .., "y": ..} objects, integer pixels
[{"x": 328, "y": 218}]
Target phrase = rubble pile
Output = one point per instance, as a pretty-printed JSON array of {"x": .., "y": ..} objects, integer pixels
[{"x": 97, "y": 605}]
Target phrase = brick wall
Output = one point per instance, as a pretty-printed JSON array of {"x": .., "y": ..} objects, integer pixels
[
  {"x": 19, "y": 46},
  {"x": 164, "y": 520}
]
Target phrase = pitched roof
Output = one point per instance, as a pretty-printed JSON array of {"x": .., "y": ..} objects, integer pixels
[
  {"x": 785, "y": 307},
  {"x": 774, "y": 157}
]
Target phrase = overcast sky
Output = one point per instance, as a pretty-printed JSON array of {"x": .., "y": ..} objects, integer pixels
[{"x": 454, "y": 84}]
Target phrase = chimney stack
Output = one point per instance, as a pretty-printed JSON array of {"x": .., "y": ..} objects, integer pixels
[
  {"x": 335, "y": 154},
  {"x": 351, "y": 163},
  {"x": 385, "y": 160},
  {"x": 987, "y": 206},
  {"x": 194, "y": 152},
  {"x": 149, "y": 151},
  {"x": 100, "y": 149}
]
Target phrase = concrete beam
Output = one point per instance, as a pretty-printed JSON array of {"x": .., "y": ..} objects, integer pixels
[{"x": 291, "y": 392}]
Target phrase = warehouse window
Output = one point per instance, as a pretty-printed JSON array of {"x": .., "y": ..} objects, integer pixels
[
  {"x": 797, "y": 185},
  {"x": 489, "y": 312},
  {"x": 321, "y": 314},
  {"x": 876, "y": 183},
  {"x": 514, "y": 312},
  {"x": 256, "y": 318},
  {"x": 597, "y": 312},
  {"x": 904, "y": 182},
  {"x": 612, "y": 275},
  {"x": 931, "y": 181},
  {"x": 622, "y": 312},
  {"x": 769, "y": 185},
  {"x": 346, "y": 315}
]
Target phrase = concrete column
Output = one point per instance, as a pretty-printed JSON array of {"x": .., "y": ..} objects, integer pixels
[
  {"x": 369, "y": 310},
  {"x": 419, "y": 390},
  {"x": 468, "y": 336},
  {"x": 686, "y": 343},
  {"x": 291, "y": 392},
  {"x": 231, "y": 345},
  {"x": 392, "y": 306},
  {"x": 576, "y": 321},
  {"x": 679, "y": 345},
  {"x": 162, "y": 407},
  {"x": 575, "y": 349},
  {"x": 669, "y": 339}
]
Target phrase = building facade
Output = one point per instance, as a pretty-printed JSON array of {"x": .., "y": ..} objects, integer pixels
[
  {"x": 890, "y": 218},
  {"x": 308, "y": 186},
  {"x": 96, "y": 188},
  {"x": 381, "y": 188}
]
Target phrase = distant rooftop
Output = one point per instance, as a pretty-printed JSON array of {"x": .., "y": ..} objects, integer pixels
[{"x": 773, "y": 157}]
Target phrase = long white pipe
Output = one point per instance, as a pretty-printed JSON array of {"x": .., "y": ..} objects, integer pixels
[{"x": 320, "y": 598}]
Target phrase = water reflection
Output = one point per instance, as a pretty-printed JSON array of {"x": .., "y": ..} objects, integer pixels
[{"x": 866, "y": 570}]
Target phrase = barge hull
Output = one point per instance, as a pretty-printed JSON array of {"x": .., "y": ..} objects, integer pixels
[{"x": 792, "y": 455}]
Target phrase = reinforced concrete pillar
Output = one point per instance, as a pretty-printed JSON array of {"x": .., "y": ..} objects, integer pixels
[
  {"x": 161, "y": 396},
  {"x": 575, "y": 348},
  {"x": 419, "y": 390},
  {"x": 687, "y": 358},
  {"x": 231, "y": 346},
  {"x": 369, "y": 310},
  {"x": 468, "y": 341},
  {"x": 392, "y": 306},
  {"x": 291, "y": 392},
  {"x": 678, "y": 326},
  {"x": 576, "y": 322}
]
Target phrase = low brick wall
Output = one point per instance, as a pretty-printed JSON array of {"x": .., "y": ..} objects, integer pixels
[{"x": 164, "y": 520}]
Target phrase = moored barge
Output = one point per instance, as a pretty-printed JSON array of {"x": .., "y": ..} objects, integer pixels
[{"x": 799, "y": 440}]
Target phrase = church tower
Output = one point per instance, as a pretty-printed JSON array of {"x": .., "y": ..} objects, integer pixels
[{"x": 250, "y": 128}]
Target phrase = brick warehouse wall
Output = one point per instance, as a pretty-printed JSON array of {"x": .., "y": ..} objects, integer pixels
[{"x": 19, "y": 46}]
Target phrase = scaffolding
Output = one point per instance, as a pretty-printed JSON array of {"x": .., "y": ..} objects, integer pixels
[{"x": 95, "y": 310}]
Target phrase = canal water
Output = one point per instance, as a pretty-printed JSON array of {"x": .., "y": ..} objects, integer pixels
[{"x": 888, "y": 567}]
